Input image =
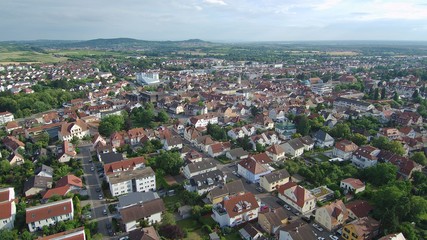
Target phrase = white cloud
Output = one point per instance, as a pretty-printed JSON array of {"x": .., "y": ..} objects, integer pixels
[{"x": 216, "y": 2}]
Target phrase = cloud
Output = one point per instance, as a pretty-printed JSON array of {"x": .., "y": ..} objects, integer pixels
[{"x": 216, "y": 2}]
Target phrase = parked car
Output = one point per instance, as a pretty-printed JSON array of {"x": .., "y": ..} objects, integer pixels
[
  {"x": 296, "y": 213},
  {"x": 320, "y": 238},
  {"x": 319, "y": 228},
  {"x": 287, "y": 207},
  {"x": 104, "y": 211},
  {"x": 100, "y": 197},
  {"x": 333, "y": 237},
  {"x": 260, "y": 189},
  {"x": 306, "y": 218},
  {"x": 92, "y": 169}
]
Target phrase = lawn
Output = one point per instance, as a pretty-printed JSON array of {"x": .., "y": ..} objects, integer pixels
[
  {"x": 194, "y": 228},
  {"x": 29, "y": 57},
  {"x": 171, "y": 201}
]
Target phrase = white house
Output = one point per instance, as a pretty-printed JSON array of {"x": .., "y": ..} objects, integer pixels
[
  {"x": 297, "y": 197},
  {"x": 293, "y": 148},
  {"x": 203, "y": 120},
  {"x": 49, "y": 214},
  {"x": 78, "y": 129},
  {"x": 352, "y": 184},
  {"x": 344, "y": 149},
  {"x": 365, "y": 156},
  {"x": 192, "y": 169},
  {"x": 6, "y": 117},
  {"x": 150, "y": 211},
  {"x": 7, "y": 208},
  {"x": 252, "y": 170},
  {"x": 236, "y": 210},
  {"x": 138, "y": 180}
]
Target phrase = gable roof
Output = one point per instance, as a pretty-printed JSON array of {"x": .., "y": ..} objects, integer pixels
[
  {"x": 73, "y": 234},
  {"x": 140, "y": 211},
  {"x": 322, "y": 136},
  {"x": 123, "y": 164},
  {"x": 354, "y": 182},
  {"x": 69, "y": 180},
  {"x": 360, "y": 208},
  {"x": 253, "y": 166},
  {"x": 277, "y": 175},
  {"x": 244, "y": 199},
  {"x": 49, "y": 210},
  {"x": 346, "y": 146},
  {"x": 299, "y": 194}
]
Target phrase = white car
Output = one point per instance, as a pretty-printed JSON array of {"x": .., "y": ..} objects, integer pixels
[
  {"x": 100, "y": 197},
  {"x": 319, "y": 228},
  {"x": 333, "y": 237},
  {"x": 320, "y": 238}
]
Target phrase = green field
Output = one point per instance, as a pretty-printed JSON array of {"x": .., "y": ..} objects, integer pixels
[{"x": 12, "y": 56}]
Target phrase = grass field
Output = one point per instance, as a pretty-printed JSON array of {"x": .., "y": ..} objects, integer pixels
[{"x": 11, "y": 57}]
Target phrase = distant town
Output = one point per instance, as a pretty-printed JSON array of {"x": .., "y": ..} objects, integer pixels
[{"x": 192, "y": 141}]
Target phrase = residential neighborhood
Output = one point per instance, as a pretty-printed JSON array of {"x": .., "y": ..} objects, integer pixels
[{"x": 321, "y": 147}]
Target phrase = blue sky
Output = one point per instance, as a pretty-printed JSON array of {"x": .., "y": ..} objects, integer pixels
[{"x": 214, "y": 20}]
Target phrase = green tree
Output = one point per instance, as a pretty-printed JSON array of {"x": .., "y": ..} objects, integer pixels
[
  {"x": 170, "y": 162},
  {"x": 408, "y": 231},
  {"x": 111, "y": 124},
  {"x": 255, "y": 111},
  {"x": 168, "y": 219},
  {"x": 416, "y": 94},
  {"x": 376, "y": 94},
  {"x": 380, "y": 174},
  {"x": 217, "y": 133},
  {"x": 419, "y": 157},
  {"x": 396, "y": 97},
  {"x": 7, "y": 234},
  {"x": 341, "y": 130},
  {"x": 302, "y": 125},
  {"x": 383, "y": 93},
  {"x": 385, "y": 144},
  {"x": 359, "y": 139},
  {"x": 162, "y": 116}
]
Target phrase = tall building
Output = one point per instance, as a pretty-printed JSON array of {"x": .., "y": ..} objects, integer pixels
[{"x": 150, "y": 78}]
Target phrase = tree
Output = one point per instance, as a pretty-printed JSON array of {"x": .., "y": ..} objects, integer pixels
[
  {"x": 396, "y": 97},
  {"x": 416, "y": 94},
  {"x": 385, "y": 144},
  {"x": 260, "y": 147},
  {"x": 302, "y": 125},
  {"x": 255, "y": 111},
  {"x": 341, "y": 130},
  {"x": 376, "y": 94},
  {"x": 408, "y": 231},
  {"x": 217, "y": 133},
  {"x": 171, "y": 232},
  {"x": 162, "y": 116},
  {"x": 383, "y": 93},
  {"x": 419, "y": 157},
  {"x": 296, "y": 135},
  {"x": 111, "y": 124},
  {"x": 7, "y": 234},
  {"x": 380, "y": 174},
  {"x": 168, "y": 219},
  {"x": 170, "y": 162},
  {"x": 359, "y": 139}
]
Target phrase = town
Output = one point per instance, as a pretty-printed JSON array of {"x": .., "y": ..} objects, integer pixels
[{"x": 312, "y": 144}]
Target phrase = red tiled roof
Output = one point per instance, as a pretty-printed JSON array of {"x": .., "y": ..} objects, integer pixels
[
  {"x": 74, "y": 234},
  {"x": 360, "y": 208},
  {"x": 70, "y": 180},
  {"x": 5, "y": 210},
  {"x": 60, "y": 191},
  {"x": 346, "y": 146},
  {"x": 230, "y": 204},
  {"x": 302, "y": 195},
  {"x": 354, "y": 182},
  {"x": 4, "y": 195},
  {"x": 253, "y": 166},
  {"x": 124, "y": 164},
  {"x": 49, "y": 210}
]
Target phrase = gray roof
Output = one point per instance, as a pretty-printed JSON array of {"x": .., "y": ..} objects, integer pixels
[
  {"x": 38, "y": 182},
  {"x": 299, "y": 230},
  {"x": 238, "y": 152},
  {"x": 216, "y": 177},
  {"x": 133, "y": 174},
  {"x": 44, "y": 168},
  {"x": 110, "y": 157},
  {"x": 230, "y": 188},
  {"x": 306, "y": 140},
  {"x": 295, "y": 143},
  {"x": 202, "y": 165},
  {"x": 322, "y": 136},
  {"x": 276, "y": 175},
  {"x": 352, "y": 101},
  {"x": 136, "y": 198}
]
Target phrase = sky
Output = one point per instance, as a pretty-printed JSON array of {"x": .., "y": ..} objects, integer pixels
[{"x": 214, "y": 20}]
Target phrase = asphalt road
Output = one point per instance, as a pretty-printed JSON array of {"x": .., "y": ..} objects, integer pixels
[{"x": 92, "y": 183}]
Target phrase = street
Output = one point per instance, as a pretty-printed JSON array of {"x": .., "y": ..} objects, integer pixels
[{"x": 92, "y": 183}]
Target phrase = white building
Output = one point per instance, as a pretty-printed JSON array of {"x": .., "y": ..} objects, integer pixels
[
  {"x": 192, "y": 169},
  {"x": 49, "y": 214},
  {"x": 203, "y": 120},
  {"x": 297, "y": 197},
  {"x": 6, "y": 117},
  {"x": 236, "y": 210},
  {"x": 78, "y": 129},
  {"x": 138, "y": 180},
  {"x": 7, "y": 208},
  {"x": 151, "y": 78}
]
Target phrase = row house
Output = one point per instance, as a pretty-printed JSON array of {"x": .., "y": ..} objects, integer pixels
[
  {"x": 205, "y": 182},
  {"x": 192, "y": 169},
  {"x": 357, "y": 105},
  {"x": 137, "y": 180},
  {"x": 235, "y": 210},
  {"x": 219, "y": 193},
  {"x": 407, "y": 118},
  {"x": 73, "y": 234},
  {"x": 203, "y": 120},
  {"x": 237, "y": 154},
  {"x": 49, "y": 214},
  {"x": 405, "y": 166},
  {"x": 241, "y": 132},
  {"x": 7, "y": 208}
]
